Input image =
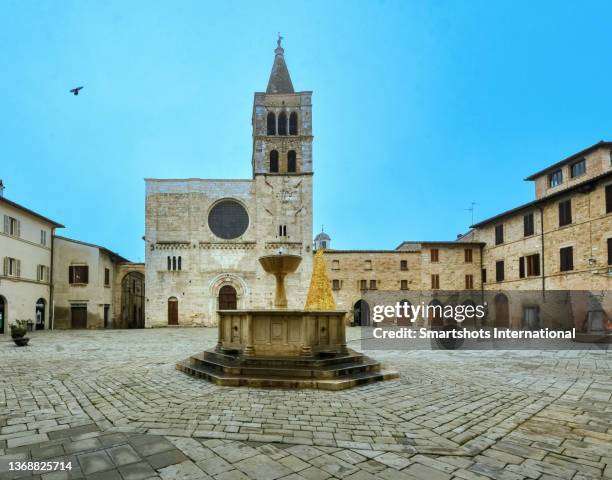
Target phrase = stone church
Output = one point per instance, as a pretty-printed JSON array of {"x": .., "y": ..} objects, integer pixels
[{"x": 204, "y": 236}]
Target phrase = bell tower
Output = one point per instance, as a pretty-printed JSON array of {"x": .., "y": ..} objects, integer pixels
[{"x": 282, "y": 124}]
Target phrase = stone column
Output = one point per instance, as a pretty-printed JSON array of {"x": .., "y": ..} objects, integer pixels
[
  {"x": 249, "y": 350},
  {"x": 342, "y": 334},
  {"x": 306, "y": 335},
  {"x": 219, "y": 347}
]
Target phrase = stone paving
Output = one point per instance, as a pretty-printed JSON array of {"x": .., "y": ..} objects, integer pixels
[{"x": 112, "y": 403}]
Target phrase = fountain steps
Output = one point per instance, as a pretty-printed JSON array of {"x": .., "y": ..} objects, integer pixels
[{"x": 345, "y": 371}]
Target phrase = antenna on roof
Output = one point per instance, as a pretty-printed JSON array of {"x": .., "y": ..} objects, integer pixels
[{"x": 471, "y": 210}]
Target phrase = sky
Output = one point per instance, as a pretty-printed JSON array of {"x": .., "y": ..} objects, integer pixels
[{"x": 419, "y": 107}]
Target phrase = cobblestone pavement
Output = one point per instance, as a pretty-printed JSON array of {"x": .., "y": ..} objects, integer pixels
[{"x": 112, "y": 403}]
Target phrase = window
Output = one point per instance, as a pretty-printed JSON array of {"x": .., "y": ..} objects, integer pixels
[
  {"x": 43, "y": 237},
  {"x": 529, "y": 266},
  {"x": 180, "y": 260},
  {"x": 107, "y": 277},
  {"x": 175, "y": 263},
  {"x": 566, "y": 259},
  {"x": 12, "y": 226},
  {"x": 609, "y": 251},
  {"x": 609, "y": 198},
  {"x": 335, "y": 284},
  {"x": 282, "y": 123},
  {"x": 555, "y": 178},
  {"x": 42, "y": 273},
  {"x": 578, "y": 168},
  {"x": 565, "y": 212},
  {"x": 434, "y": 255},
  {"x": 404, "y": 265},
  {"x": 335, "y": 264},
  {"x": 368, "y": 264},
  {"x": 499, "y": 271},
  {"x": 271, "y": 121},
  {"x": 483, "y": 274},
  {"x": 528, "y": 226},
  {"x": 404, "y": 284},
  {"x": 372, "y": 284},
  {"x": 469, "y": 282},
  {"x": 293, "y": 124},
  {"x": 169, "y": 263},
  {"x": 467, "y": 253},
  {"x": 274, "y": 161},
  {"x": 78, "y": 274},
  {"x": 499, "y": 234},
  {"x": 291, "y": 162},
  {"x": 435, "y": 281},
  {"x": 282, "y": 231},
  {"x": 363, "y": 284}
]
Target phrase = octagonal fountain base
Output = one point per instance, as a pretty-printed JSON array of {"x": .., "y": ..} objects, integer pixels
[{"x": 286, "y": 349}]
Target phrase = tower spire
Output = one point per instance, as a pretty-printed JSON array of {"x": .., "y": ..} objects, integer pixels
[{"x": 280, "y": 81}]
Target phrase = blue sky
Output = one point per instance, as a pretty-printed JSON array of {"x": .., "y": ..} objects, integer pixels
[{"x": 419, "y": 108}]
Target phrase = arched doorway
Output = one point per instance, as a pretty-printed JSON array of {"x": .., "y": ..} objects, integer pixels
[
  {"x": 227, "y": 298},
  {"x": 40, "y": 313},
  {"x": 3, "y": 311},
  {"x": 173, "y": 311},
  {"x": 132, "y": 300},
  {"x": 361, "y": 313},
  {"x": 502, "y": 313},
  {"x": 435, "y": 314}
]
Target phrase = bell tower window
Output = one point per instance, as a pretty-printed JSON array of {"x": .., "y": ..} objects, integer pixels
[
  {"x": 291, "y": 162},
  {"x": 282, "y": 123},
  {"x": 271, "y": 123},
  {"x": 293, "y": 124},
  {"x": 274, "y": 161}
]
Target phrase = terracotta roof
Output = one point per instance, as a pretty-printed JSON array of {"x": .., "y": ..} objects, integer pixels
[
  {"x": 600, "y": 144},
  {"x": 31, "y": 212},
  {"x": 115, "y": 255},
  {"x": 542, "y": 200}
]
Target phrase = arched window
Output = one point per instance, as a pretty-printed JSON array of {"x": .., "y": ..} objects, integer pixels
[
  {"x": 274, "y": 161},
  {"x": 291, "y": 161},
  {"x": 169, "y": 263},
  {"x": 293, "y": 127},
  {"x": 282, "y": 123},
  {"x": 173, "y": 311},
  {"x": 173, "y": 263},
  {"x": 179, "y": 263},
  {"x": 271, "y": 123}
]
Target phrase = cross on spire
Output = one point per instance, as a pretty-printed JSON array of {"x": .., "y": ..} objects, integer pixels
[{"x": 280, "y": 39}]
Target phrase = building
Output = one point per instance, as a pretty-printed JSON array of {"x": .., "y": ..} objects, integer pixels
[
  {"x": 95, "y": 287},
  {"x": 203, "y": 237},
  {"x": 26, "y": 248}
]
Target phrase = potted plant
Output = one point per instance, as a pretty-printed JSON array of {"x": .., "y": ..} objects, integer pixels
[{"x": 18, "y": 331}]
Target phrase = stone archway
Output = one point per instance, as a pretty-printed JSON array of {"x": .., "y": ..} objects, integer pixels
[
  {"x": 361, "y": 313},
  {"x": 41, "y": 307},
  {"x": 502, "y": 311},
  {"x": 132, "y": 300}
]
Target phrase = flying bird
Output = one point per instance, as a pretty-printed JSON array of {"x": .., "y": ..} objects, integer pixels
[{"x": 75, "y": 91}]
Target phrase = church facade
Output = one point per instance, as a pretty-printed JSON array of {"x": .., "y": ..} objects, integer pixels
[{"x": 203, "y": 237}]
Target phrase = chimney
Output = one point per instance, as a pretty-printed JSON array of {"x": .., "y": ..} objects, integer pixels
[{"x": 1, "y": 188}]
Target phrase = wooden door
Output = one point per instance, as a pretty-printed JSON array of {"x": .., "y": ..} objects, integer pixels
[
  {"x": 173, "y": 311},
  {"x": 502, "y": 313},
  {"x": 227, "y": 298},
  {"x": 78, "y": 317}
]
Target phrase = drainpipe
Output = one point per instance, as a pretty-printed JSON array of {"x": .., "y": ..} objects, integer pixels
[
  {"x": 51, "y": 302},
  {"x": 542, "y": 248}
]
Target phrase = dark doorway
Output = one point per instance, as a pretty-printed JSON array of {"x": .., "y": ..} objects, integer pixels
[
  {"x": 361, "y": 313},
  {"x": 435, "y": 313},
  {"x": 106, "y": 316},
  {"x": 173, "y": 311},
  {"x": 40, "y": 314},
  {"x": 227, "y": 298},
  {"x": 3, "y": 309},
  {"x": 502, "y": 314},
  {"x": 132, "y": 300},
  {"x": 78, "y": 316},
  {"x": 405, "y": 320}
]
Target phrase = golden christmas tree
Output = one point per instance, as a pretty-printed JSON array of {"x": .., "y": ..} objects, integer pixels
[{"x": 320, "y": 295}]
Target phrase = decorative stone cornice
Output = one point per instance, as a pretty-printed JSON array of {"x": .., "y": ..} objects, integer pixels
[{"x": 227, "y": 245}]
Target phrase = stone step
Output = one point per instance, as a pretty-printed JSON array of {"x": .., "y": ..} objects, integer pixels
[
  {"x": 312, "y": 362},
  {"x": 253, "y": 369},
  {"x": 339, "y": 383}
]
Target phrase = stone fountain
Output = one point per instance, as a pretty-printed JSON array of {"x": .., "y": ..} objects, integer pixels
[{"x": 281, "y": 347}]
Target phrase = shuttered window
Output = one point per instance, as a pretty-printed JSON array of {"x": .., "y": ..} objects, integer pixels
[
  {"x": 565, "y": 212},
  {"x": 609, "y": 251},
  {"x": 529, "y": 266},
  {"x": 499, "y": 234},
  {"x": 469, "y": 282},
  {"x": 363, "y": 284},
  {"x": 107, "y": 276},
  {"x": 372, "y": 284},
  {"x": 468, "y": 255},
  {"x": 522, "y": 267},
  {"x": 528, "y": 227},
  {"x": 434, "y": 255},
  {"x": 566, "y": 259},
  {"x": 12, "y": 226},
  {"x": 609, "y": 198},
  {"x": 435, "y": 282},
  {"x": 403, "y": 264},
  {"x": 12, "y": 267},
  {"x": 483, "y": 274},
  {"x": 336, "y": 284},
  {"x": 404, "y": 284},
  {"x": 499, "y": 271},
  {"x": 78, "y": 274}
]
